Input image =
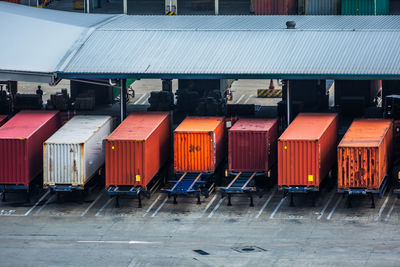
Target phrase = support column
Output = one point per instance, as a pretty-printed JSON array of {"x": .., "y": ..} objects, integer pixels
[
  {"x": 123, "y": 99},
  {"x": 216, "y": 7},
  {"x": 171, "y": 7},
  {"x": 125, "y": 6},
  {"x": 87, "y": 6},
  {"x": 288, "y": 103}
]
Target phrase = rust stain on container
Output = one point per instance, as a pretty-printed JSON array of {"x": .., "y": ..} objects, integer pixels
[
  {"x": 138, "y": 148},
  {"x": 364, "y": 154},
  {"x": 307, "y": 150},
  {"x": 3, "y": 119},
  {"x": 252, "y": 145},
  {"x": 199, "y": 144},
  {"x": 21, "y": 145},
  {"x": 275, "y": 7}
]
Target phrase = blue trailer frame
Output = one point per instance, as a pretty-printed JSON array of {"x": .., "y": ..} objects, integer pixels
[{"x": 189, "y": 184}]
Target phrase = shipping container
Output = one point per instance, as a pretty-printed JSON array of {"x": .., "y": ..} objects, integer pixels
[
  {"x": 252, "y": 145},
  {"x": 364, "y": 154},
  {"x": 319, "y": 7},
  {"x": 138, "y": 148},
  {"x": 275, "y": 7},
  {"x": 74, "y": 154},
  {"x": 365, "y": 7},
  {"x": 199, "y": 144},
  {"x": 3, "y": 119},
  {"x": 307, "y": 150},
  {"x": 21, "y": 145}
]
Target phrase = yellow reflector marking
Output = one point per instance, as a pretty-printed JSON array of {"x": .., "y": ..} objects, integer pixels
[
  {"x": 310, "y": 178},
  {"x": 137, "y": 178},
  {"x": 112, "y": 147},
  {"x": 285, "y": 147}
]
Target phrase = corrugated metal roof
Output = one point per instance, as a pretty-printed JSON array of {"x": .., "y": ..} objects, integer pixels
[{"x": 104, "y": 46}]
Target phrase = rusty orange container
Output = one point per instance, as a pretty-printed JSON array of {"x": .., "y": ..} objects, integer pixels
[
  {"x": 364, "y": 154},
  {"x": 138, "y": 148},
  {"x": 199, "y": 144},
  {"x": 307, "y": 150},
  {"x": 3, "y": 119}
]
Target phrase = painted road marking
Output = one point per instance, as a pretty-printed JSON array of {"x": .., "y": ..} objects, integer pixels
[
  {"x": 382, "y": 208},
  {"x": 240, "y": 98},
  {"x": 151, "y": 206},
  {"x": 391, "y": 209},
  {"x": 265, "y": 205},
  {"x": 247, "y": 100},
  {"x": 158, "y": 209},
  {"x": 208, "y": 205},
  {"x": 37, "y": 203},
  {"x": 334, "y": 208},
  {"x": 104, "y": 206},
  {"x": 44, "y": 205},
  {"x": 146, "y": 99},
  {"x": 132, "y": 242},
  {"x": 92, "y": 204},
  {"x": 277, "y": 208},
  {"x": 216, "y": 207},
  {"x": 326, "y": 206},
  {"x": 137, "y": 101}
]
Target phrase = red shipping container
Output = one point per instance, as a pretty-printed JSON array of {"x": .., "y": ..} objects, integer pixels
[
  {"x": 275, "y": 7},
  {"x": 307, "y": 150},
  {"x": 3, "y": 119},
  {"x": 252, "y": 145},
  {"x": 138, "y": 148},
  {"x": 364, "y": 154},
  {"x": 199, "y": 144},
  {"x": 21, "y": 145}
]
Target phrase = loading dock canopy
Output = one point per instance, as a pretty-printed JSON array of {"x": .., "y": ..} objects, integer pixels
[{"x": 48, "y": 45}]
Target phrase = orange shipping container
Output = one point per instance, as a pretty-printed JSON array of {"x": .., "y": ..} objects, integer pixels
[
  {"x": 364, "y": 154},
  {"x": 307, "y": 150},
  {"x": 199, "y": 144},
  {"x": 137, "y": 149}
]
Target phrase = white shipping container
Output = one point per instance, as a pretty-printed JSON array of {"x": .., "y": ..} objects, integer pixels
[{"x": 76, "y": 151}]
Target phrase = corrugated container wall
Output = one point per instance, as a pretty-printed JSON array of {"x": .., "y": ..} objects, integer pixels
[
  {"x": 199, "y": 144},
  {"x": 275, "y": 7},
  {"x": 307, "y": 150},
  {"x": 75, "y": 152},
  {"x": 21, "y": 145},
  {"x": 3, "y": 119},
  {"x": 319, "y": 7},
  {"x": 365, "y": 7},
  {"x": 138, "y": 148},
  {"x": 364, "y": 154},
  {"x": 252, "y": 145}
]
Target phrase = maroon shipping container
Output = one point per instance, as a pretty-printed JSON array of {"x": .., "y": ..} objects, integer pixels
[
  {"x": 21, "y": 145},
  {"x": 252, "y": 145},
  {"x": 3, "y": 119},
  {"x": 275, "y": 7}
]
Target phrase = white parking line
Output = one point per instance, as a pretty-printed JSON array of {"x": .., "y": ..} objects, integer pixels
[
  {"x": 145, "y": 101},
  {"x": 391, "y": 209},
  {"x": 118, "y": 242},
  {"x": 92, "y": 204},
  {"x": 137, "y": 101},
  {"x": 265, "y": 205},
  {"x": 326, "y": 206},
  {"x": 151, "y": 206},
  {"x": 44, "y": 205},
  {"x": 277, "y": 208},
  {"x": 208, "y": 205},
  {"x": 334, "y": 208},
  {"x": 247, "y": 100},
  {"x": 104, "y": 206},
  {"x": 37, "y": 203},
  {"x": 216, "y": 207},
  {"x": 158, "y": 209},
  {"x": 382, "y": 208},
  {"x": 240, "y": 98}
]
